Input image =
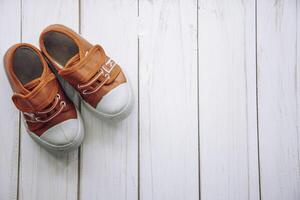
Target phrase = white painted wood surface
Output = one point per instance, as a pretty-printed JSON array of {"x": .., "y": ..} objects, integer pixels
[
  {"x": 44, "y": 175},
  {"x": 278, "y": 99},
  {"x": 9, "y": 123},
  {"x": 109, "y": 156},
  {"x": 217, "y": 98},
  {"x": 227, "y": 101},
  {"x": 168, "y": 100}
]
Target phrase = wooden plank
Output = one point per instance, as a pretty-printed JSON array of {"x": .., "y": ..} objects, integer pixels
[
  {"x": 227, "y": 100},
  {"x": 44, "y": 175},
  {"x": 168, "y": 100},
  {"x": 109, "y": 154},
  {"x": 9, "y": 123},
  {"x": 298, "y": 75},
  {"x": 278, "y": 98}
]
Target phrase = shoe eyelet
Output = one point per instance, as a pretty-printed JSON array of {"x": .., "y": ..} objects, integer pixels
[{"x": 63, "y": 103}]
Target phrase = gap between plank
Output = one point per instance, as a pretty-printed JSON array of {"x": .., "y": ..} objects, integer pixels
[
  {"x": 198, "y": 103},
  {"x": 79, "y": 107},
  {"x": 138, "y": 113},
  {"x": 296, "y": 85},
  {"x": 257, "y": 99},
  {"x": 138, "y": 109},
  {"x": 19, "y": 113}
]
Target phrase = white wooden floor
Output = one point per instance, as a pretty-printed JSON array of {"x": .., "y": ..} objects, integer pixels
[{"x": 217, "y": 110}]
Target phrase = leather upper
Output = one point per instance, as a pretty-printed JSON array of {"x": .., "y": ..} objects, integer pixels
[
  {"x": 90, "y": 71},
  {"x": 41, "y": 101}
]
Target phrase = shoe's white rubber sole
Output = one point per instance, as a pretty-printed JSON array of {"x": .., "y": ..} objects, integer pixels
[{"x": 60, "y": 148}]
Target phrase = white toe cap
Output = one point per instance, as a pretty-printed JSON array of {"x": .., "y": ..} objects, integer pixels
[
  {"x": 115, "y": 101},
  {"x": 63, "y": 133}
]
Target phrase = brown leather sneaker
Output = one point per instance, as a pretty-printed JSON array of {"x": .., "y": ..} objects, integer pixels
[
  {"x": 100, "y": 81},
  {"x": 49, "y": 116}
]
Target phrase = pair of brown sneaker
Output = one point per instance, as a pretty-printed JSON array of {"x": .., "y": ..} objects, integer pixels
[{"x": 50, "y": 117}]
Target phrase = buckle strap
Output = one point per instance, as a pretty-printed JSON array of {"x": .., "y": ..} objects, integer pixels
[
  {"x": 91, "y": 68},
  {"x": 104, "y": 70},
  {"x": 38, "y": 99},
  {"x": 35, "y": 117}
]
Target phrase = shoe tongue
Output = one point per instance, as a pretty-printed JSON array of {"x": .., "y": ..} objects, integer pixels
[
  {"x": 37, "y": 94},
  {"x": 32, "y": 84}
]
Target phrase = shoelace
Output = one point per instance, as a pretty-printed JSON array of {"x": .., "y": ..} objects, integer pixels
[
  {"x": 104, "y": 70},
  {"x": 34, "y": 117}
]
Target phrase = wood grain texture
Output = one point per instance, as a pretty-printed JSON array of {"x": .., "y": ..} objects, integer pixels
[
  {"x": 109, "y": 163},
  {"x": 168, "y": 100},
  {"x": 227, "y": 100},
  {"x": 44, "y": 175},
  {"x": 278, "y": 98},
  {"x": 9, "y": 123},
  {"x": 154, "y": 154}
]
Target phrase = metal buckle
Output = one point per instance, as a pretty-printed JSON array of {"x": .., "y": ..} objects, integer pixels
[{"x": 108, "y": 66}]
